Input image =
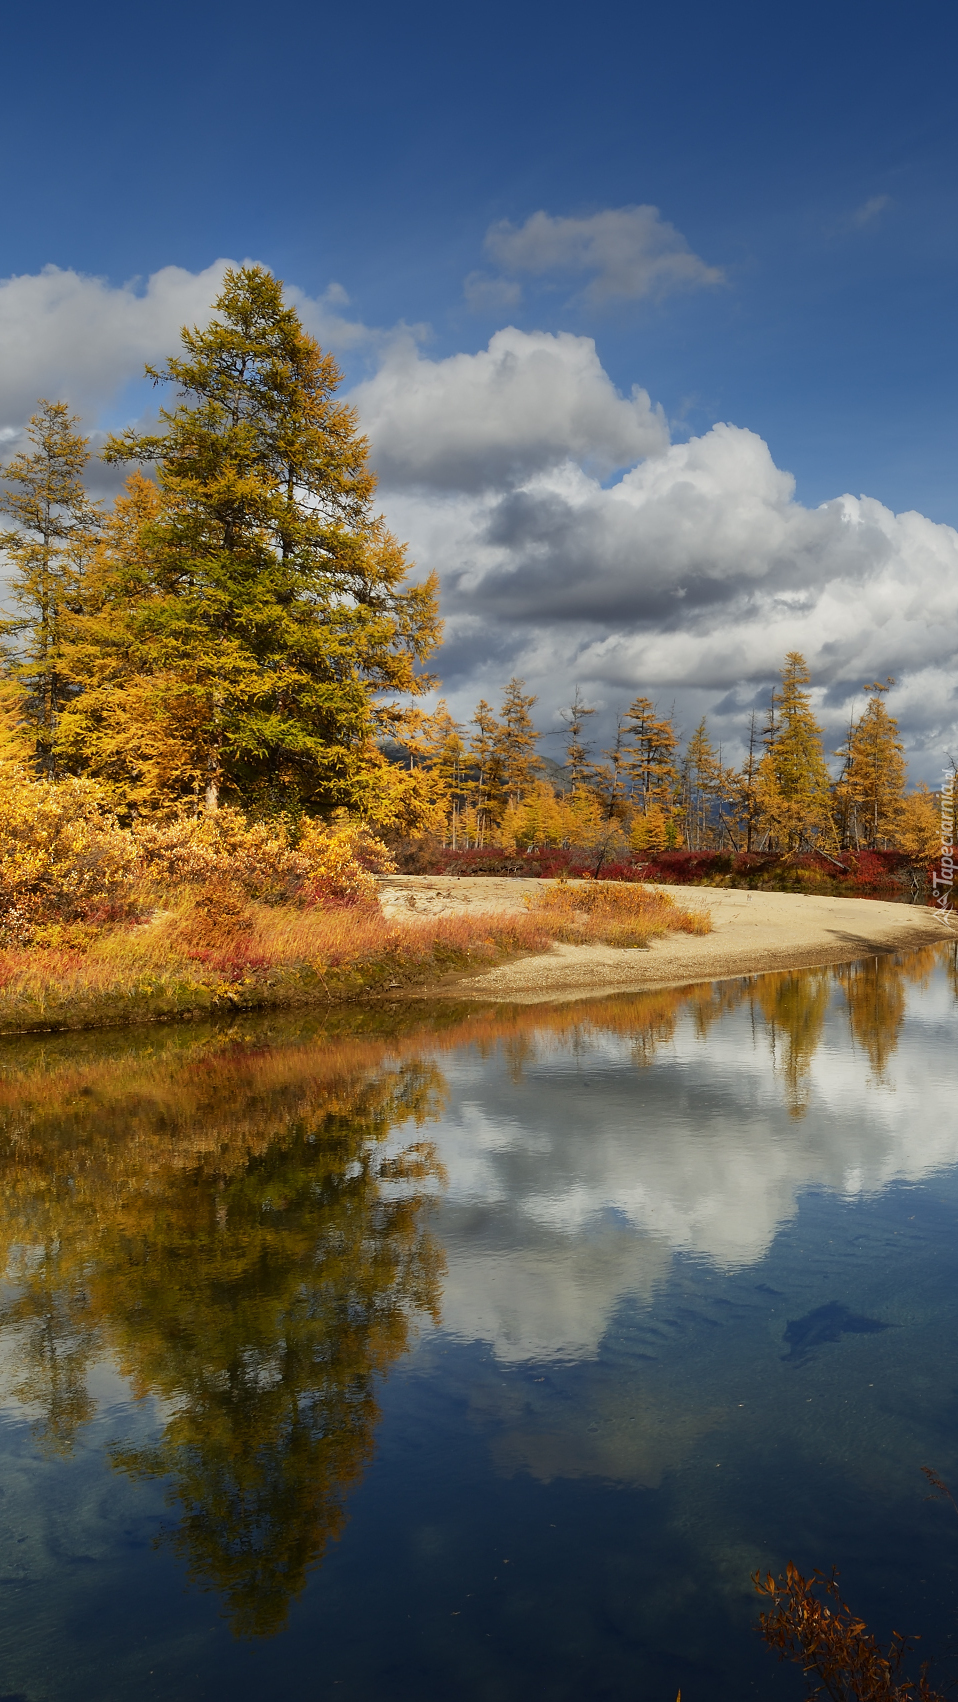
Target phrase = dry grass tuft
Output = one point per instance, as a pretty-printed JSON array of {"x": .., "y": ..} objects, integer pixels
[{"x": 604, "y": 911}]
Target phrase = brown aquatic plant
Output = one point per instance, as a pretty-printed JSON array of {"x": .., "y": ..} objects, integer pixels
[
  {"x": 809, "y": 1623},
  {"x": 940, "y": 1490}
]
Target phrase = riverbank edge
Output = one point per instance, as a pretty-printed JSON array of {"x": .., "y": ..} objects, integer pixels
[
  {"x": 753, "y": 933},
  {"x": 560, "y": 974},
  {"x": 569, "y": 989}
]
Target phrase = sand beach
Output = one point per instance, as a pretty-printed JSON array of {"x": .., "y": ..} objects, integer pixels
[{"x": 751, "y": 932}]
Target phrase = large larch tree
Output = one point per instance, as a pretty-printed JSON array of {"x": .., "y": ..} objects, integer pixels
[{"x": 258, "y": 613}]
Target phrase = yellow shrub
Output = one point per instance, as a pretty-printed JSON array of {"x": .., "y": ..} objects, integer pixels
[
  {"x": 649, "y": 832},
  {"x": 209, "y": 850},
  {"x": 62, "y": 856},
  {"x": 65, "y": 863},
  {"x": 343, "y": 860},
  {"x": 328, "y": 862},
  {"x": 918, "y": 829}
]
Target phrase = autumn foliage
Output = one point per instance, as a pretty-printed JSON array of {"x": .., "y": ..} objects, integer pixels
[
  {"x": 808, "y": 1622},
  {"x": 205, "y": 762},
  {"x": 651, "y": 799},
  {"x": 101, "y": 923},
  {"x": 241, "y": 630},
  {"x": 64, "y": 859}
]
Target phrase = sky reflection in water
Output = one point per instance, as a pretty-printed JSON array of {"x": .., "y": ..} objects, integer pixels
[{"x": 477, "y": 1352}]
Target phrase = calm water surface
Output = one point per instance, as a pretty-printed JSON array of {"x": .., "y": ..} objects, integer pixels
[{"x": 478, "y": 1354}]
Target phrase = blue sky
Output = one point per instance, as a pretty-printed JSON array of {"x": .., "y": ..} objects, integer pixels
[{"x": 803, "y": 157}]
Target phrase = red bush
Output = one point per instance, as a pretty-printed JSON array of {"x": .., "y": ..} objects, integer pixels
[{"x": 862, "y": 873}]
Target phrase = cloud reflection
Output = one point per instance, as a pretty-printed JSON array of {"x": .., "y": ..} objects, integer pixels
[{"x": 575, "y": 1185}]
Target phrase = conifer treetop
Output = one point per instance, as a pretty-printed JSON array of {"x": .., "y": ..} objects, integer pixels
[{"x": 258, "y": 438}]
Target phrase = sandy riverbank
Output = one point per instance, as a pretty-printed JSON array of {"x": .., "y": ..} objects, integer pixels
[{"x": 750, "y": 933}]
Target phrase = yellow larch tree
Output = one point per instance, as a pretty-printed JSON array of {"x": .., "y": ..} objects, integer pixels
[
  {"x": 53, "y": 535},
  {"x": 649, "y": 760},
  {"x": 794, "y": 784},
  {"x": 272, "y": 599},
  {"x": 874, "y": 773}
]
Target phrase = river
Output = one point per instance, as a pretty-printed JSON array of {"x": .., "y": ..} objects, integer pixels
[{"x": 409, "y": 1354}]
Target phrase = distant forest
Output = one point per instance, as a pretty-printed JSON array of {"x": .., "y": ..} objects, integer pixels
[{"x": 661, "y": 796}]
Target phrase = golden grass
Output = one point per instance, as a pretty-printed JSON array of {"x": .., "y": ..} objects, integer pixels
[
  {"x": 212, "y": 952},
  {"x": 613, "y": 914},
  {"x": 196, "y": 959}
]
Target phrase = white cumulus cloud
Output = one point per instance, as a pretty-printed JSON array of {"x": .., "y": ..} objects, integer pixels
[
  {"x": 527, "y": 402},
  {"x": 689, "y": 577},
  {"x": 80, "y": 339}
]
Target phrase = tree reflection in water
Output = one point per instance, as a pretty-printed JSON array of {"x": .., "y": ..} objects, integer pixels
[
  {"x": 794, "y": 1007},
  {"x": 245, "y": 1250},
  {"x": 874, "y": 990}
]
